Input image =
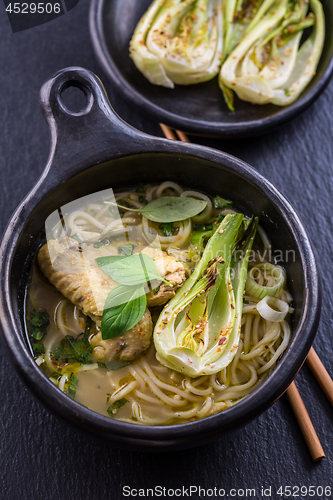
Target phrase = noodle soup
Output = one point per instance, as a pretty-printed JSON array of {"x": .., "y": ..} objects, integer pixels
[{"x": 112, "y": 355}]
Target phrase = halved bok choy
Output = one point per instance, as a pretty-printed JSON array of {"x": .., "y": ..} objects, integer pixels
[
  {"x": 198, "y": 331},
  {"x": 179, "y": 41},
  {"x": 270, "y": 64}
]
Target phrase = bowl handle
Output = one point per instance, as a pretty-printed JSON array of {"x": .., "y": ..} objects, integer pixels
[{"x": 95, "y": 133}]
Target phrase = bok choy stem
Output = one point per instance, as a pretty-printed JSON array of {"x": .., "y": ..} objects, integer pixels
[
  {"x": 255, "y": 46},
  {"x": 198, "y": 331}
]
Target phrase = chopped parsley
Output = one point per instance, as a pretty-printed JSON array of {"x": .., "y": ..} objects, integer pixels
[
  {"x": 168, "y": 228},
  {"x": 143, "y": 200},
  {"x": 38, "y": 323},
  {"x": 38, "y": 348},
  {"x": 75, "y": 350}
]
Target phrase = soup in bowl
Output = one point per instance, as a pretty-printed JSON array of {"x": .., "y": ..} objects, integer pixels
[
  {"x": 189, "y": 355},
  {"x": 156, "y": 305}
]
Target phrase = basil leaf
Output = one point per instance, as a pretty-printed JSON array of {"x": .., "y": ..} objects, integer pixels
[
  {"x": 123, "y": 309},
  {"x": 132, "y": 270},
  {"x": 170, "y": 208},
  {"x": 112, "y": 410},
  {"x": 219, "y": 202}
]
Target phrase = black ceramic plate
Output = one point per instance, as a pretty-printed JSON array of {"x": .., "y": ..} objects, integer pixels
[{"x": 197, "y": 109}]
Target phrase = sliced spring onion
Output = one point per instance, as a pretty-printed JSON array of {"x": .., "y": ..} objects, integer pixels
[
  {"x": 272, "y": 309},
  {"x": 272, "y": 275},
  {"x": 200, "y": 238}
]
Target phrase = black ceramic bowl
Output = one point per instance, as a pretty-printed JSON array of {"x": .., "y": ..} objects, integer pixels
[
  {"x": 197, "y": 109},
  {"x": 93, "y": 150}
]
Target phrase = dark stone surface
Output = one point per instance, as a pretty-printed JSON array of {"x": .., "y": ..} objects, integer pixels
[{"x": 42, "y": 458}]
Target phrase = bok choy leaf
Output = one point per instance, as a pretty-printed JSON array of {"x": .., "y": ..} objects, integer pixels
[
  {"x": 269, "y": 64},
  {"x": 198, "y": 331},
  {"x": 179, "y": 41}
]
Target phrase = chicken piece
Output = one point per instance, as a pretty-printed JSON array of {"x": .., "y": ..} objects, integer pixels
[
  {"x": 127, "y": 346},
  {"x": 71, "y": 267},
  {"x": 172, "y": 270}
]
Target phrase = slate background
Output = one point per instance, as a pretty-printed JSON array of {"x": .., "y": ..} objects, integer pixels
[{"x": 42, "y": 458}]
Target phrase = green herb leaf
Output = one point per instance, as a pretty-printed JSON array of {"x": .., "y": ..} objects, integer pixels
[
  {"x": 112, "y": 410},
  {"x": 37, "y": 333},
  {"x": 221, "y": 202},
  {"x": 73, "y": 350},
  {"x": 126, "y": 249},
  {"x": 123, "y": 309},
  {"x": 167, "y": 228},
  {"x": 38, "y": 323},
  {"x": 73, "y": 381},
  {"x": 143, "y": 200},
  {"x": 112, "y": 364},
  {"x": 171, "y": 208},
  {"x": 132, "y": 270},
  {"x": 202, "y": 227},
  {"x": 38, "y": 348}
]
